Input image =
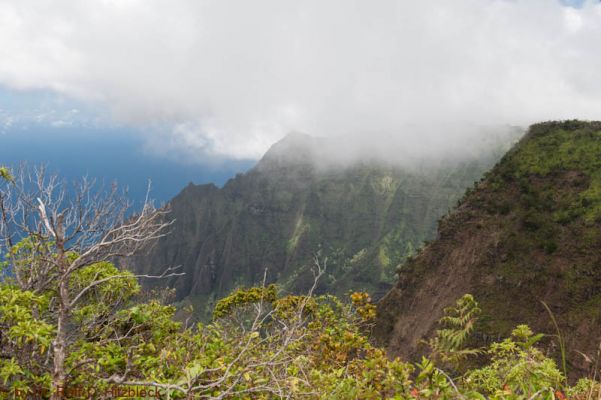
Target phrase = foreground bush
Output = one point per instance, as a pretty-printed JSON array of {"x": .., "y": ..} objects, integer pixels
[{"x": 261, "y": 346}]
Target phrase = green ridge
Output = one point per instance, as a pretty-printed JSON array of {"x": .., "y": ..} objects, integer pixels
[
  {"x": 529, "y": 232},
  {"x": 365, "y": 218}
]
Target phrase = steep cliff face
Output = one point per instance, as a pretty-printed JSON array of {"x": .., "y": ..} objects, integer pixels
[
  {"x": 366, "y": 217},
  {"x": 530, "y": 232}
]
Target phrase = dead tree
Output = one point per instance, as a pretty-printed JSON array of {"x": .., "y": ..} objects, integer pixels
[{"x": 66, "y": 228}]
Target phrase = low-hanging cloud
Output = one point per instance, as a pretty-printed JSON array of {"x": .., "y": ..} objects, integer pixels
[{"x": 230, "y": 77}]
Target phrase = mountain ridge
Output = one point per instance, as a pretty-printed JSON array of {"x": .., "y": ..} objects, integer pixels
[
  {"x": 365, "y": 217},
  {"x": 528, "y": 233}
]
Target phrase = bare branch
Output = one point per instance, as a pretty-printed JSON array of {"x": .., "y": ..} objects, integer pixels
[{"x": 93, "y": 284}]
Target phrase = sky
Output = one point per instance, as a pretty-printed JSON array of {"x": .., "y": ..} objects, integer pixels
[
  {"x": 213, "y": 84},
  {"x": 110, "y": 155},
  {"x": 73, "y": 140}
]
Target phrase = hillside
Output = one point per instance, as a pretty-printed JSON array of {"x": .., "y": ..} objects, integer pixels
[
  {"x": 366, "y": 217},
  {"x": 528, "y": 232}
]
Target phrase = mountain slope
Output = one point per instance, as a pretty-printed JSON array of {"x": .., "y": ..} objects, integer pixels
[
  {"x": 529, "y": 232},
  {"x": 366, "y": 217}
]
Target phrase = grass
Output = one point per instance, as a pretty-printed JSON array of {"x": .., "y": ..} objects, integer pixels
[{"x": 560, "y": 338}]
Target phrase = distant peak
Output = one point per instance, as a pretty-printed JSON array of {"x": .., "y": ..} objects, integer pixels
[
  {"x": 296, "y": 137},
  {"x": 293, "y": 141},
  {"x": 294, "y": 148}
]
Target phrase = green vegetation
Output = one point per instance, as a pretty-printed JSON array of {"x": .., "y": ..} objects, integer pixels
[
  {"x": 279, "y": 214},
  {"x": 262, "y": 345},
  {"x": 524, "y": 241},
  {"x": 5, "y": 174},
  {"x": 552, "y": 149},
  {"x": 448, "y": 345}
]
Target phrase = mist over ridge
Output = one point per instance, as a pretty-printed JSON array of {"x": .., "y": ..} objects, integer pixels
[
  {"x": 426, "y": 146},
  {"x": 229, "y": 79}
]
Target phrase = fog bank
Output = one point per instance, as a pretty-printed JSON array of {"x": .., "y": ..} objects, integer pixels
[{"x": 230, "y": 78}]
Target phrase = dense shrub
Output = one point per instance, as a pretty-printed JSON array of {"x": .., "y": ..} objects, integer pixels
[{"x": 264, "y": 345}]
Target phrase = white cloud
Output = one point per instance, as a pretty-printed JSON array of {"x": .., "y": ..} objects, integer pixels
[{"x": 232, "y": 76}]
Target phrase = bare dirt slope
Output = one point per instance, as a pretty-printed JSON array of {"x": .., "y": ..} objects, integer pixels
[{"x": 529, "y": 232}]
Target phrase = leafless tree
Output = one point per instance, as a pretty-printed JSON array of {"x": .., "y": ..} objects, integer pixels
[{"x": 66, "y": 228}]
